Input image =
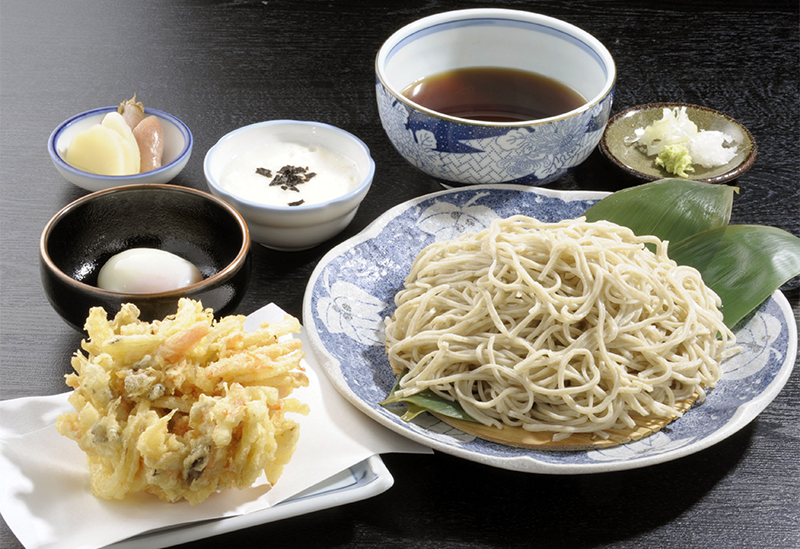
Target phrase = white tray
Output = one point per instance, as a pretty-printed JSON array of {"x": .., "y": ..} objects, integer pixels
[{"x": 364, "y": 480}]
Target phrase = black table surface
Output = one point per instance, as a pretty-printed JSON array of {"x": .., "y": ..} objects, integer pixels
[{"x": 220, "y": 65}]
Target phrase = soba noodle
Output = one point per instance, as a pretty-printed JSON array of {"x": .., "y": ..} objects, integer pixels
[{"x": 569, "y": 327}]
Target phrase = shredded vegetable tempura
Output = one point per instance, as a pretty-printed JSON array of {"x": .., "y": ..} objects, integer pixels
[{"x": 183, "y": 407}]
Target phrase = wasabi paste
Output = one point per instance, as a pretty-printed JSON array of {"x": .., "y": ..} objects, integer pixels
[{"x": 675, "y": 159}]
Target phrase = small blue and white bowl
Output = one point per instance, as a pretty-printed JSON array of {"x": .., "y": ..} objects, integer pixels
[
  {"x": 458, "y": 151},
  {"x": 177, "y": 150}
]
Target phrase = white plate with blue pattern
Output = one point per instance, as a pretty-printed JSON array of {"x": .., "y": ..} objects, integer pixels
[{"x": 352, "y": 289}]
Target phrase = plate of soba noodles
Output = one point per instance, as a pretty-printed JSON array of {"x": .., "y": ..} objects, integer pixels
[{"x": 496, "y": 324}]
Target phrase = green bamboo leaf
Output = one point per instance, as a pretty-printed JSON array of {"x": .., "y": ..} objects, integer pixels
[
  {"x": 671, "y": 209},
  {"x": 412, "y": 411},
  {"x": 425, "y": 401},
  {"x": 743, "y": 264}
]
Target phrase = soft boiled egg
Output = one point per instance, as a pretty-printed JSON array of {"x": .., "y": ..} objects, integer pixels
[{"x": 146, "y": 271}]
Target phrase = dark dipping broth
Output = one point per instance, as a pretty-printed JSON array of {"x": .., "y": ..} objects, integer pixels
[{"x": 490, "y": 94}]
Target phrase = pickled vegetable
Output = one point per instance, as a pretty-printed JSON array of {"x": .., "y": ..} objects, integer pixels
[
  {"x": 149, "y": 136},
  {"x": 108, "y": 148},
  {"x": 132, "y": 111},
  {"x": 115, "y": 121},
  {"x": 126, "y": 142},
  {"x": 148, "y": 132}
]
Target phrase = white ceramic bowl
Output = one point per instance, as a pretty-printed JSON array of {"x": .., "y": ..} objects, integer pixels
[
  {"x": 291, "y": 228},
  {"x": 177, "y": 150},
  {"x": 457, "y": 151}
]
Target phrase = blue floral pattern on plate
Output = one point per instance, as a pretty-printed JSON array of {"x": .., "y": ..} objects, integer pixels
[{"x": 351, "y": 293}]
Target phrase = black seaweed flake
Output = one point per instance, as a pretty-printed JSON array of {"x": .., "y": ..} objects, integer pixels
[
  {"x": 289, "y": 177},
  {"x": 264, "y": 171}
]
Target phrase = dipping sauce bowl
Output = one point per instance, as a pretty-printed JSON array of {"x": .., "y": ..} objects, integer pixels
[{"x": 463, "y": 151}]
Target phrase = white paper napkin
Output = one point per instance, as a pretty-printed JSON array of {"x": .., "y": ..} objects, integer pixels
[{"x": 44, "y": 491}]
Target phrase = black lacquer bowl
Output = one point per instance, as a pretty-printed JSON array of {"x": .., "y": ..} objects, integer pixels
[{"x": 189, "y": 223}]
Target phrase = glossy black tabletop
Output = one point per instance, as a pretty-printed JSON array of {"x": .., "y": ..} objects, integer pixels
[{"x": 219, "y": 65}]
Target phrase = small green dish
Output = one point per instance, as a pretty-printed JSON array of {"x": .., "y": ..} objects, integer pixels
[{"x": 634, "y": 161}]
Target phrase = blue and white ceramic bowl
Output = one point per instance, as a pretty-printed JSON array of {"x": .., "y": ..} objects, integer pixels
[
  {"x": 457, "y": 151},
  {"x": 178, "y": 143}
]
